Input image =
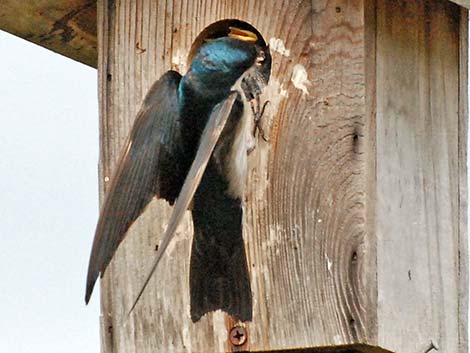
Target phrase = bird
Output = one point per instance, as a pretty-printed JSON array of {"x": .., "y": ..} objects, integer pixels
[{"x": 189, "y": 145}]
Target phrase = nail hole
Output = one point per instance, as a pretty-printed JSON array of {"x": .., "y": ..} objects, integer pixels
[
  {"x": 355, "y": 142},
  {"x": 354, "y": 257},
  {"x": 351, "y": 322},
  {"x": 338, "y": 9},
  {"x": 109, "y": 77}
]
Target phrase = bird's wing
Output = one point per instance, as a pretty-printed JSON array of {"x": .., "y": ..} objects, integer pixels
[
  {"x": 152, "y": 163},
  {"x": 208, "y": 140}
]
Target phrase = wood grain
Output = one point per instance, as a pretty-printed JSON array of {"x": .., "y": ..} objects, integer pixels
[
  {"x": 353, "y": 219},
  {"x": 63, "y": 26},
  {"x": 305, "y": 210},
  {"x": 39, "y": 19},
  {"x": 418, "y": 175},
  {"x": 463, "y": 181}
]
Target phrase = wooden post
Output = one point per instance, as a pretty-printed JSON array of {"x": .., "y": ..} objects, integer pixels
[
  {"x": 355, "y": 220},
  {"x": 420, "y": 181}
]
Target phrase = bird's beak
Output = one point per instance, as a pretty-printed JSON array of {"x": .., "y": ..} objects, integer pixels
[{"x": 242, "y": 34}]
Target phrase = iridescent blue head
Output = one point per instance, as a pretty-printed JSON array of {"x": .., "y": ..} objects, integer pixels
[{"x": 217, "y": 65}]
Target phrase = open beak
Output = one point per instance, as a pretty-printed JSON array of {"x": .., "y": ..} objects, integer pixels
[{"x": 242, "y": 34}]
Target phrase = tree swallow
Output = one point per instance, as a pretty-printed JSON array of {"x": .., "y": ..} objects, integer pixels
[{"x": 190, "y": 142}]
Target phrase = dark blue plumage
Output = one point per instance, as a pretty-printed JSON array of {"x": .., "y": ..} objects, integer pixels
[
  {"x": 227, "y": 58},
  {"x": 213, "y": 72},
  {"x": 219, "y": 276},
  {"x": 157, "y": 157}
]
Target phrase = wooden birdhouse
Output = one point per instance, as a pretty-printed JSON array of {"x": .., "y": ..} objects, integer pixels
[{"x": 355, "y": 219}]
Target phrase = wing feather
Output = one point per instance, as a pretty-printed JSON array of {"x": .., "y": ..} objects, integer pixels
[
  {"x": 153, "y": 162},
  {"x": 209, "y": 138}
]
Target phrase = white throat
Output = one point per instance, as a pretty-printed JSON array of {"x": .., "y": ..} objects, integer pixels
[{"x": 237, "y": 171}]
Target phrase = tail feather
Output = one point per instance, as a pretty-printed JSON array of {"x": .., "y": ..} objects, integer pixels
[
  {"x": 219, "y": 280},
  {"x": 219, "y": 277}
]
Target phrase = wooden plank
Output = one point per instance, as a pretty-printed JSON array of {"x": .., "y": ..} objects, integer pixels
[
  {"x": 64, "y": 26},
  {"x": 463, "y": 181},
  {"x": 308, "y": 247},
  {"x": 365, "y": 230},
  {"x": 370, "y": 148},
  {"x": 464, "y": 3},
  {"x": 105, "y": 58},
  {"x": 419, "y": 225}
]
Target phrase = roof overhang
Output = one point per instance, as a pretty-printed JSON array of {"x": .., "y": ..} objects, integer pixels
[
  {"x": 464, "y": 3},
  {"x": 67, "y": 27}
]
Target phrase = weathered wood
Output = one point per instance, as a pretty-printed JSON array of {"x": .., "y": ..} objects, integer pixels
[
  {"x": 463, "y": 181},
  {"x": 418, "y": 176},
  {"x": 464, "y": 3},
  {"x": 353, "y": 218},
  {"x": 292, "y": 235},
  {"x": 370, "y": 147},
  {"x": 64, "y": 26}
]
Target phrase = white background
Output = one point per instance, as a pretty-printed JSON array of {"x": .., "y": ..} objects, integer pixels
[{"x": 48, "y": 200}]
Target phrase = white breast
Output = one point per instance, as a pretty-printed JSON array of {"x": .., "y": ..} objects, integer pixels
[{"x": 237, "y": 168}]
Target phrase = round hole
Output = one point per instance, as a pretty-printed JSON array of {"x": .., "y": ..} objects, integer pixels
[{"x": 221, "y": 29}]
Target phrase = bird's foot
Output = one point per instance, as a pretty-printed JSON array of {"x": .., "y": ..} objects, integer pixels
[{"x": 258, "y": 115}]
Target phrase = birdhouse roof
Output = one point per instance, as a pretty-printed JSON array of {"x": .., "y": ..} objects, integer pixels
[{"x": 67, "y": 27}]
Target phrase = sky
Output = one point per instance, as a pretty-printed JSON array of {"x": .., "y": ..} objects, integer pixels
[{"x": 49, "y": 200}]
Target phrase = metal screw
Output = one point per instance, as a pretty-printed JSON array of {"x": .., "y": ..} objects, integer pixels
[{"x": 238, "y": 336}]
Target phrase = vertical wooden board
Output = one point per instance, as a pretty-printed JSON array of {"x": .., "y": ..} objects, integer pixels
[
  {"x": 306, "y": 215},
  {"x": 463, "y": 183},
  {"x": 418, "y": 175},
  {"x": 308, "y": 248},
  {"x": 370, "y": 148}
]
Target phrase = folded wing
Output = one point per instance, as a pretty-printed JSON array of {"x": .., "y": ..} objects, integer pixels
[
  {"x": 153, "y": 163},
  {"x": 208, "y": 140}
]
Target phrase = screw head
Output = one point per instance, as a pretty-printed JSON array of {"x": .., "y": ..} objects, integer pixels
[{"x": 238, "y": 335}]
